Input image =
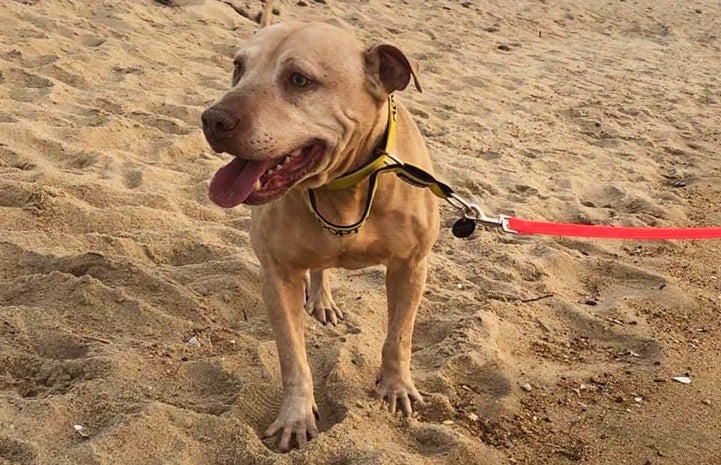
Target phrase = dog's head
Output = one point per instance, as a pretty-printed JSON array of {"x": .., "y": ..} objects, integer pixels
[{"x": 303, "y": 96}]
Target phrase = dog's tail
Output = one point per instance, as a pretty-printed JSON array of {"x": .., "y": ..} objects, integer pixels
[{"x": 267, "y": 18}]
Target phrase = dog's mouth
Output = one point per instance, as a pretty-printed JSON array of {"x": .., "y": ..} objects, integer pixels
[{"x": 256, "y": 182}]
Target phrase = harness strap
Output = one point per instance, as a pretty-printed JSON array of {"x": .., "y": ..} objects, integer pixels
[
  {"x": 342, "y": 230},
  {"x": 411, "y": 174}
]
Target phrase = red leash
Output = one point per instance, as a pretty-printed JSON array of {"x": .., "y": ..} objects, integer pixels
[
  {"x": 520, "y": 226},
  {"x": 472, "y": 214}
]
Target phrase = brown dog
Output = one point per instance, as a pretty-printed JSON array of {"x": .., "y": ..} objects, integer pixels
[{"x": 308, "y": 104}]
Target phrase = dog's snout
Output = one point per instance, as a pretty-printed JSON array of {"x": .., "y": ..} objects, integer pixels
[{"x": 218, "y": 122}]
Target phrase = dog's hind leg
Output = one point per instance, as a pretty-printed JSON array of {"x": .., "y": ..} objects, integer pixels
[
  {"x": 320, "y": 302},
  {"x": 306, "y": 285},
  {"x": 405, "y": 280}
]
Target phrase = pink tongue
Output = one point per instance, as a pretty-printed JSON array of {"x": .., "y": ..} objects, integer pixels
[{"x": 234, "y": 182}]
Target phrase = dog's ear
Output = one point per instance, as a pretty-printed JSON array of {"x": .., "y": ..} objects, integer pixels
[
  {"x": 389, "y": 70},
  {"x": 266, "y": 18}
]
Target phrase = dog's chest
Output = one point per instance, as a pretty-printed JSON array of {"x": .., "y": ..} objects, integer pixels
[
  {"x": 374, "y": 244},
  {"x": 352, "y": 257},
  {"x": 351, "y": 252}
]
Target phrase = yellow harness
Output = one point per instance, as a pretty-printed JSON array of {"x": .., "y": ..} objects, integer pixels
[{"x": 385, "y": 162}]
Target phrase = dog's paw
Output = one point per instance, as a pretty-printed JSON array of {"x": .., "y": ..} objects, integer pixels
[
  {"x": 295, "y": 425},
  {"x": 321, "y": 306},
  {"x": 398, "y": 391}
]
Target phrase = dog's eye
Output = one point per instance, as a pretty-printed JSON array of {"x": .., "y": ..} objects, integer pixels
[
  {"x": 238, "y": 70},
  {"x": 299, "y": 80}
]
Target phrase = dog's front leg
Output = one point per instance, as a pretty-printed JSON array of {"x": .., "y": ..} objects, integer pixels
[
  {"x": 405, "y": 280},
  {"x": 283, "y": 293}
]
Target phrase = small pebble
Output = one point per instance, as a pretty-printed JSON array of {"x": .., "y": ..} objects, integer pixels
[
  {"x": 359, "y": 404},
  {"x": 638, "y": 400},
  {"x": 448, "y": 422},
  {"x": 193, "y": 341},
  {"x": 459, "y": 286},
  {"x": 472, "y": 416},
  {"x": 682, "y": 379},
  {"x": 80, "y": 429},
  {"x": 706, "y": 402},
  {"x": 526, "y": 387}
]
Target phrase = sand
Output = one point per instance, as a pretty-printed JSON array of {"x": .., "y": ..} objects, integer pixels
[{"x": 528, "y": 350}]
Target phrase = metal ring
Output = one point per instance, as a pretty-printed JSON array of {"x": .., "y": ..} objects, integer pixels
[
  {"x": 456, "y": 202},
  {"x": 473, "y": 212}
]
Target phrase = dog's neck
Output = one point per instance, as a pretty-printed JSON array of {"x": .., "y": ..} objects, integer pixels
[
  {"x": 364, "y": 149},
  {"x": 347, "y": 203}
]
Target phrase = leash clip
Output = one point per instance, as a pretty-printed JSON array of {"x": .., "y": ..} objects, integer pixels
[{"x": 473, "y": 212}]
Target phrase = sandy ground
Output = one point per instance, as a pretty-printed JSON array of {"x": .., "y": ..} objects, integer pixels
[{"x": 528, "y": 350}]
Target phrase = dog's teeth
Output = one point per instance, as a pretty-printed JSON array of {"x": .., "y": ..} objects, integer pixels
[{"x": 257, "y": 186}]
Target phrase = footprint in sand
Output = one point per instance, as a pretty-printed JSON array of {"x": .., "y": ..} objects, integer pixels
[
  {"x": 89, "y": 116},
  {"x": 81, "y": 160},
  {"x": 26, "y": 87},
  {"x": 133, "y": 176},
  {"x": 10, "y": 158},
  {"x": 165, "y": 125},
  {"x": 522, "y": 192},
  {"x": 24, "y": 195},
  {"x": 92, "y": 41},
  {"x": 66, "y": 76},
  {"x": 16, "y": 452},
  {"x": 7, "y": 117},
  {"x": 618, "y": 200},
  {"x": 187, "y": 114},
  {"x": 34, "y": 376},
  {"x": 29, "y": 61},
  {"x": 202, "y": 386}
]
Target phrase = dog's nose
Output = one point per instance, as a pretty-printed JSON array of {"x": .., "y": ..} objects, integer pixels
[{"x": 218, "y": 122}]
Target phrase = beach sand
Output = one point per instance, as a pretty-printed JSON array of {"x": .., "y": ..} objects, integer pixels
[{"x": 528, "y": 350}]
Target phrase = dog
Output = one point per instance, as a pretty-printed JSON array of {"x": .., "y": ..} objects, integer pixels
[{"x": 309, "y": 104}]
